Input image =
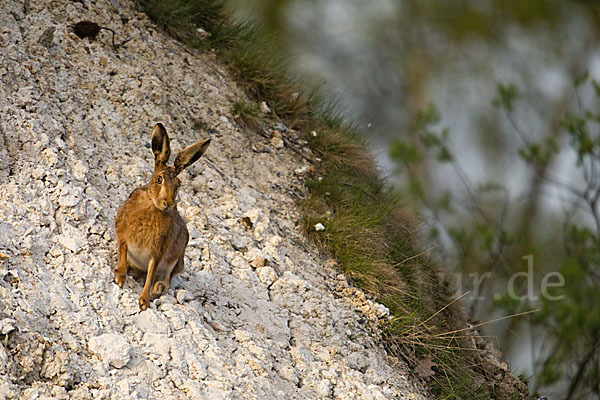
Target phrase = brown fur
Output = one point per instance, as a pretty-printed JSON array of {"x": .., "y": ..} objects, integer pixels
[{"x": 151, "y": 235}]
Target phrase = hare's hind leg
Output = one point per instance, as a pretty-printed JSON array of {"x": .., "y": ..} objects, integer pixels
[
  {"x": 178, "y": 268},
  {"x": 162, "y": 286},
  {"x": 121, "y": 271}
]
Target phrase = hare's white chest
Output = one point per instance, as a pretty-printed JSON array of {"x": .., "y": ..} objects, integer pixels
[{"x": 138, "y": 257}]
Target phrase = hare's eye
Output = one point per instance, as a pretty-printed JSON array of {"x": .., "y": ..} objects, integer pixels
[{"x": 159, "y": 180}]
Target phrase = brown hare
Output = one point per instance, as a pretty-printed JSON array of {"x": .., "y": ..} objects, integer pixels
[{"x": 151, "y": 235}]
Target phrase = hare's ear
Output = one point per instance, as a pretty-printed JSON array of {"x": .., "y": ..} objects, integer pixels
[
  {"x": 190, "y": 155},
  {"x": 161, "y": 148}
]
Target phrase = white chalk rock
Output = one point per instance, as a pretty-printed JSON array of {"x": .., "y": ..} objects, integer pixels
[
  {"x": 7, "y": 325},
  {"x": 112, "y": 348},
  {"x": 72, "y": 238},
  {"x": 267, "y": 275}
]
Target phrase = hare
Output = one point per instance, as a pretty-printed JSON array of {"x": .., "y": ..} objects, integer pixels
[{"x": 151, "y": 235}]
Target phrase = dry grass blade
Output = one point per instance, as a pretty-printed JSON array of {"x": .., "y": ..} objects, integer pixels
[
  {"x": 443, "y": 308},
  {"x": 486, "y": 323}
]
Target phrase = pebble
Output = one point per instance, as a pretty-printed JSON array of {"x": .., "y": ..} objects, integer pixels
[
  {"x": 112, "y": 348},
  {"x": 277, "y": 142},
  {"x": 264, "y": 108},
  {"x": 276, "y": 134},
  {"x": 267, "y": 275},
  {"x": 7, "y": 325}
]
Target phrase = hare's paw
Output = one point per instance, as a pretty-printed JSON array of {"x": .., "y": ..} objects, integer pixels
[
  {"x": 120, "y": 278},
  {"x": 144, "y": 301},
  {"x": 159, "y": 288}
]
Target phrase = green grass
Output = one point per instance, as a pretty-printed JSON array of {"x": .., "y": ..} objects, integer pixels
[
  {"x": 247, "y": 114},
  {"x": 367, "y": 228}
]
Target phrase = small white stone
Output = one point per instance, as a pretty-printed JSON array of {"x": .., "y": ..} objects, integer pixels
[
  {"x": 266, "y": 275},
  {"x": 301, "y": 171},
  {"x": 7, "y": 325},
  {"x": 319, "y": 227},
  {"x": 123, "y": 387},
  {"x": 72, "y": 238},
  {"x": 112, "y": 348},
  {"x": 197, "y": 369},
  {"x": 38, "y": 173},
  {"x": 158, "y": 344},
  {"x": 277, "y": 142},
  {"x": 259, "y": 229},
  {"x": 55, "y": 251},
  {"x": 70, "y": 243},
  {"x": 382, "y": 311},
  {"x": 182, "y": 296},
  {"x": 202, "y": 33},
  {"x": 79, "y": 170},
  {"x": 68, "y": 200},
  {"x": 264, "y": 108},
  {"x": 242, "y": 336}
]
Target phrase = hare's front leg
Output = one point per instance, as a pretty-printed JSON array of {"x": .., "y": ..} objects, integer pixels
[
  {"x": 121, "y": 271},
  {"x": 145, "y": 296}
]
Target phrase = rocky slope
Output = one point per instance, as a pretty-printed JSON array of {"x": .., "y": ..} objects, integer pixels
[{"x": 257, "y": 313}]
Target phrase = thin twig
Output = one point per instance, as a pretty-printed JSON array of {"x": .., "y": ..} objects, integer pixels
[{"x": 297, "y": 150}]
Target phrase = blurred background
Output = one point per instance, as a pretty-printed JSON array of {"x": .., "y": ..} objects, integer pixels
[{"x": 485, "y": 114}]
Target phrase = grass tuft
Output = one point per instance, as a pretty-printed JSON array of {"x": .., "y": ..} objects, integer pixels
[
  {"x": 261, "y": 71},
  {"x": 367, "y": 228},
  {"x": 247, "y": 114}
]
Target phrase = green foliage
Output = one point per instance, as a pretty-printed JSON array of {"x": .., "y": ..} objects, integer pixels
[
  {"x": 568, "y": 313},
  {"x": 539, "y": 153},
  {"x": 424, "y": 139},
  {"x": 506, "y": 96},
  {"x": 444, "y": 202},
  {"x": 574, "y": 322},
  {"x": 549, "y": 375},
  {"x": 580, "y": 136},
  {"x": 405, "y": 152}
]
